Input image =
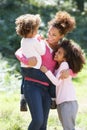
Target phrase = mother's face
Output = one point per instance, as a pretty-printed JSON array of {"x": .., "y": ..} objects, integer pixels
[{"x": 54, "y": 36}]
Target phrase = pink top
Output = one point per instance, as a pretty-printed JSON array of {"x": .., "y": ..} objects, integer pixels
[
  {"x": 64, "y": 88},
  {"x": 47, "y": 59}
]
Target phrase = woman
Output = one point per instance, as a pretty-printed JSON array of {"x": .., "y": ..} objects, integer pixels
[{"x": 36, "y": 85}]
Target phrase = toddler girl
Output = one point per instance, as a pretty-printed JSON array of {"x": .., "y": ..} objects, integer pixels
[{"x": 31, "y": 45}]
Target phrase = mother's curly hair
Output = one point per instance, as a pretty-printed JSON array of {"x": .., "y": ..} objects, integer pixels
[
  {"x": 63, "y": 21},
  {"x": 27, "y": 23},
  {"x": 74, "y": 55}
]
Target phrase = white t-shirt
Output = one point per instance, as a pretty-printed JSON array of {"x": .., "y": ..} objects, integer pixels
[{"x": 33, "y": 47}]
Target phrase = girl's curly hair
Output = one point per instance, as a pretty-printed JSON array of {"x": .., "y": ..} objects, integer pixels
[
  {"x": 74, "y": 55},
  {"x": 27, "y": 23},
  {"x": 63, "y": 21}
]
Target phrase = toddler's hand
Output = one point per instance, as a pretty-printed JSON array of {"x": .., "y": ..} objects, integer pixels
[{"x": 40, "y": 37}]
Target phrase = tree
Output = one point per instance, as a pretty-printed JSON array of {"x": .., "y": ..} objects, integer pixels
[{"x": 80, "y": 5}]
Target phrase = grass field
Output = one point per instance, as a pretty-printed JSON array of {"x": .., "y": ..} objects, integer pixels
[{"x": 12, "y": 119}]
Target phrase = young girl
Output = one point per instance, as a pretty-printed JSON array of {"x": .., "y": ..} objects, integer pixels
[
  {"x": 67, "y": 56},
  {"x": 27, "y": 27},
  {"x": 37, "y": 85}
]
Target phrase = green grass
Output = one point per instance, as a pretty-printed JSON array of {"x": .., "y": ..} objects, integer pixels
[{"x": 12, "y": 119}]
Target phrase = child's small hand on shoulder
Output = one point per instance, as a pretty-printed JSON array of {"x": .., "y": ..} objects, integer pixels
[
  {"x": 43, "y": 69},
  {"x": 40, "y": 37}
]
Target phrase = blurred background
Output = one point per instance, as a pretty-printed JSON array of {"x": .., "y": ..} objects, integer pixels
[
  {"x": 10, "y": 10},
  {"x": 10, "y": 78}
]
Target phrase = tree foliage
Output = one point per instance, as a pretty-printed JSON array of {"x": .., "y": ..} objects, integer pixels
[{"x": 10, "y": 10}]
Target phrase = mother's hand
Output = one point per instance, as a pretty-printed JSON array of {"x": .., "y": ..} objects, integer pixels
[
  {"x": 64, "y": 74},
  {"x": 32, "y": 61}
]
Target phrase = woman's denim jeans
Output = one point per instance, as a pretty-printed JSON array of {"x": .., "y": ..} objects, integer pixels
[
  {"x": 37, "y": 74},
  {"x": 39, "y": 100}
]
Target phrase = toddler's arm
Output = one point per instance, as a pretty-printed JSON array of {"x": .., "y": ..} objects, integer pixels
[{"x": 32, "y": 61}]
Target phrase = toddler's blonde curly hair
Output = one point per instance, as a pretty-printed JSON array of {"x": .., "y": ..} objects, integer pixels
[{"x": 27, "y": 23}]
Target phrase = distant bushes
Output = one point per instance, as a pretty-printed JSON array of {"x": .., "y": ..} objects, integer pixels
[{"x": 9, "y": 10}]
